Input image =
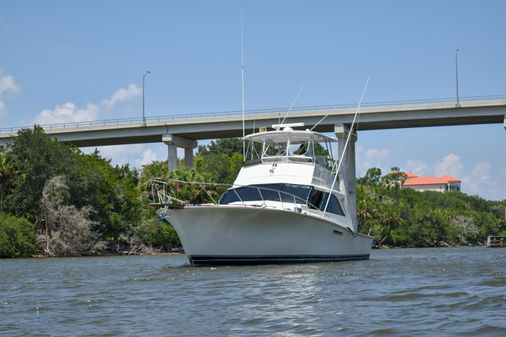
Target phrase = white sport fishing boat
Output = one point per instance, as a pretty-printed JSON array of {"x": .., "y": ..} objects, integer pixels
[{"x": 278, "y": 209}]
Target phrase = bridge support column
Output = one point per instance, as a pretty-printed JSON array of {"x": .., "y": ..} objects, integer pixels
[
  {"x": 172, "y": 157},
  {"x": 347, "y": 176},
  {"x": 188, "y": 157},
  {"x": 173, "y": 142}
]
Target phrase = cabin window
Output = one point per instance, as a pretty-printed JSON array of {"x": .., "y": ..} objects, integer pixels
[
  {"x": 241, "y": 193},
  {"x": 300, "y": 192},
  {"x": 289, "y": 193},
  {"x": 318, "y": 200},
  {"x": 334, "y": 206},
  {"x": 272, "y": 192},
  {"x": 315, "y": 199},
  {"x": 302, "y": 149}
]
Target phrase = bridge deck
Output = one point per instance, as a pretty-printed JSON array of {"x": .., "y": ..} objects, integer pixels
[{"x": 223, "y": 125}]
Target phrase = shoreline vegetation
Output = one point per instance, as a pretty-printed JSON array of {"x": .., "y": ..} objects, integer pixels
[{"x": 57, "y": 201}]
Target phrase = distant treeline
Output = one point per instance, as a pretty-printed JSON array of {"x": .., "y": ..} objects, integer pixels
[
  {"x": 403, "y": 217},
  {"x": 57, "y": 201}
]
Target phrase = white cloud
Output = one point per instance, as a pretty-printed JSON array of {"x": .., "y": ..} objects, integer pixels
[
  {"x": 8, "y": 86},
  {"x": 450, "y": 165},
  {"x": 136, "y": 155},
  {"x": 479, "y": 179},
  {"x": 378, "y": 155},
  {"x": 148, "y": 156},
  {"x": 121, "y": 95},
  {"x": 366, "y": 159},
  {"x": 70, "y": 113},
  {"x": 418, "y": 167},
  {"x": 67, "y": 113}
]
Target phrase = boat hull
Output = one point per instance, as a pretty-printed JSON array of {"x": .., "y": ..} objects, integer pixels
[{"x": 230, "y": 234}]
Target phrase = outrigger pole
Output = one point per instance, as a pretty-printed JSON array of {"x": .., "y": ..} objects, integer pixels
[
  {"x": 291, "y": 106},
  {"x": 345, "y": 146}
]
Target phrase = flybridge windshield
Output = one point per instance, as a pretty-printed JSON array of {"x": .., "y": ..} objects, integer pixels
[{"x": 290, "y": 145}]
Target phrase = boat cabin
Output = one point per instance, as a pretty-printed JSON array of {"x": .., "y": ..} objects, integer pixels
[{"x": 288, "y": 169}]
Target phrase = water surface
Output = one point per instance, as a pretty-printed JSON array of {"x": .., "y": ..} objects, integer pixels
[{"x": 401, "y": 292}]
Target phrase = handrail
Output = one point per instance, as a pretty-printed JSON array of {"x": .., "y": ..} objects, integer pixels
[
  {"x": 162, "y": 119},
  {"x": 259, "y": 189}
]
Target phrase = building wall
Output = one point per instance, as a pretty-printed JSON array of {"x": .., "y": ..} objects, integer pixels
[{"x": 453, "y": 186}]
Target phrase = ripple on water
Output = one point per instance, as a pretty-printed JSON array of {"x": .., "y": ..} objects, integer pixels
[
  {"x": 494, "y": 282},
  {"x": 411, "y": 292}
]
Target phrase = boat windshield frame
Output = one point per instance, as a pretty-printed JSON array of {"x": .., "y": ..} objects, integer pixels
[{"x": 289, "y": 146}]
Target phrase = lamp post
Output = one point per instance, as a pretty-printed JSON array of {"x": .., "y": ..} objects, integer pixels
[
  {"x": 143, "y": 80},
  {"x": 457, "y": 75}
]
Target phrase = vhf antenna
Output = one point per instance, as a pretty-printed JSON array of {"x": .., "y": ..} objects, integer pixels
[{"x": 242, "y": 87}]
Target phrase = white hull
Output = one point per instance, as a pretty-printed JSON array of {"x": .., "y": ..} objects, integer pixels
[{"x": 228, "y": 234}]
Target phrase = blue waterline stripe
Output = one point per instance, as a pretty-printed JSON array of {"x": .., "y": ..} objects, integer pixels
[{"x": 198, "y": 260}]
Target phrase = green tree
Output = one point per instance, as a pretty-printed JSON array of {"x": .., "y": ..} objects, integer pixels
[
  {"x": 35, "y": 158},
  {"x": 226, "y": 146},
  {"x": 371, "y": 178},
  {"x": 17, "y": 236},
  {"x": 112, "y": 192},
  {"x": 6, "y": 177}
]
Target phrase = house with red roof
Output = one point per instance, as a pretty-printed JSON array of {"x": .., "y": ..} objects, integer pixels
[{"x": 439, "y": 184}]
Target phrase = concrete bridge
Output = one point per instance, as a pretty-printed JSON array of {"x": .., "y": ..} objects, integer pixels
[{"x": 186, "y": 131}]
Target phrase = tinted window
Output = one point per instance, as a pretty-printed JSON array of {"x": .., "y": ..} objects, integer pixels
[
  {"x": 285, "y": 191},
  {"x": 334, "y": 205},
  {"x": 301, "y": 193},
  {"x": 238, "y": 194},
  {"x": 318, "y": 200},
  {"x": 271, "y": 192},
  {"x": 315, "y": 199}
]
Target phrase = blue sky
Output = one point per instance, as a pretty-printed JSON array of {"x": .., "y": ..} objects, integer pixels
[{"x": 70, "y": 61}]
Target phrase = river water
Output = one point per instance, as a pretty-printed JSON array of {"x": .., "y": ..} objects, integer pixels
[{"x": 398, "y": 292}]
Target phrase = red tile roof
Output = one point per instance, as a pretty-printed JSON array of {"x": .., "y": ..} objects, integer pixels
[{"x": 413, "y": 180}]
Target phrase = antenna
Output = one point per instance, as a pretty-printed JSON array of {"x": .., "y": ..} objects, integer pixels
[
  {"x": 300, "y": 90},
  {"x": 346, "y": 145},
  {"x": 242, "y": 87}
]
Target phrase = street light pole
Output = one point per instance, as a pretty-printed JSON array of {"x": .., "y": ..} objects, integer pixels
[
  {"x": 457, "y": 75},
  {"x": 143, "y": 113}
]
